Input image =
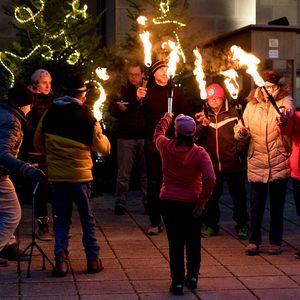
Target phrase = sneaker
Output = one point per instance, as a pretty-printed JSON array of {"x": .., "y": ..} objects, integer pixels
[
  {"x": 191, "y": 282},
  {"x": 120, "y": 210},
  {"x": 176, "y": 289},
  {"x": 154, "y": 230},
  {"x": 251, "y": 249},
  {"x": 242, "y": 232},
  {"x": 208, "y": 232},
  {"x": 297, "y": 255},
  {"x": 3, "y": 262},
  {"x": 274, "y": 249}
]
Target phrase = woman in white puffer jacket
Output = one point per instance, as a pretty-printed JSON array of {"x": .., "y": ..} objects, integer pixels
[{"x": 268, "y": 158}]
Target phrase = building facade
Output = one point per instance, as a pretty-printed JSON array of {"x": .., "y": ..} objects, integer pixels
[{"x": 205, "y": 20}]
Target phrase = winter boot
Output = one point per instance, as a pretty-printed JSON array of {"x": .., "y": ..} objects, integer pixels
[{"x": 43, "y": 233}]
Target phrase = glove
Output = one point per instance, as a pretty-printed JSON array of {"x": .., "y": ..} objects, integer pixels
[{"x": 33, "y": 173}]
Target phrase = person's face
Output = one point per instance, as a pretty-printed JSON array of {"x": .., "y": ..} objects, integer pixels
[
  {"x": 44, "y": 85},
  {"x": 215, "y": 102},
  {"x": 271, "y": 87},
  {"x": 135, "y": 76},
  {"x": 161, "y": 76}
]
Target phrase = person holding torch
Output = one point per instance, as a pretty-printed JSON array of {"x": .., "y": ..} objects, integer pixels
[
  {"x": 216, "y": 133},
  {"x": 268, "y": 157},
  {"x": 155, "y": 104},
  {"x": 188, "y": 181}
]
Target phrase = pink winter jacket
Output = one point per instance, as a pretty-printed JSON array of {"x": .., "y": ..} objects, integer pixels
[
  {"x": 269, "y": 150},
  {"x": 295, "y": 156},
  {"x": 188, "y": 174}
]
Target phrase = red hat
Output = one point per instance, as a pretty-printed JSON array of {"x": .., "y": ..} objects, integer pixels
[{"x": 215, "y": 90}]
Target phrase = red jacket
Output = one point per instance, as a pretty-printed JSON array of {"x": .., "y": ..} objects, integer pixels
[
  {"x": 295, "y": 155},
  {"x": 188, "y": 173}
]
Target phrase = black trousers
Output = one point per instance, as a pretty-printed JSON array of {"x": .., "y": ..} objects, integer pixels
[
  {"x": 183, "y": 231},
  {"x": 237, "y": 190}
]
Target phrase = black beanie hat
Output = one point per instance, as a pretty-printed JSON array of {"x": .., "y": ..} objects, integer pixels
[
  {"x": 157, "y": 65},
  {"x": 20, "y": 95}
]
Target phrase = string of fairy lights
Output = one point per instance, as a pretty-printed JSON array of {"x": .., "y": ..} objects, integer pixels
[
  {"x": 24, "y": 15},
  {"x": 164, "y": 19}
]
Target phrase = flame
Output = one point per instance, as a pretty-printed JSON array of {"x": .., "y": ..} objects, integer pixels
[
  {"x": 198, "y": 72},
  {"x": 142, "y": 20},
  {"x": 231, "y": 82},
  {"x": 173, "y": 57},
  {"x": 145, "y": 37},
  {"x": 250, "y": 61},
  {"x": 97, "y": 108}
]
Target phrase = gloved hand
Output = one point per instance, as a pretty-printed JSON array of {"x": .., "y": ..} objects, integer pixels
[
  {"x": 167, "y": 114},
  {"x": 243, "y": 131},
  {"x": 33, "y": 173}
]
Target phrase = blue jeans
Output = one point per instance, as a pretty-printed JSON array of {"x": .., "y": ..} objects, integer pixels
[
  {"x": 258, "y": 198},
  {"x": 63, "y": 196},
  {"x": 10, "y": 210}
]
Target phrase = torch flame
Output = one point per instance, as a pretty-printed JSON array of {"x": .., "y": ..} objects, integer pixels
[
  {"x": 173, "y": 57},
  {"x": 198, "y": 72},
  {"x": 250, "y": 61},
  {"x": 97, "y": 108},
  {"x": 145, "y": 37},
  {"x": 231, "y": 82}
]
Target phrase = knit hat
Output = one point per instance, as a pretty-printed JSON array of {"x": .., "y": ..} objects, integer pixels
[
  {"x": 271, "y": 76},
  {"x": 215, "y": 90},
  {"x": 185, "y": 125},
  {"x": 38, "y": 75},
  {"x": 20, "y": 95},
  {"x": 157, "y": 65},
  {"x": 74, "y": 83}
]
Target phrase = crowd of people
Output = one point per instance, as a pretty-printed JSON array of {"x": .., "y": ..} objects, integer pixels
[{"x": 183, "y": 160}]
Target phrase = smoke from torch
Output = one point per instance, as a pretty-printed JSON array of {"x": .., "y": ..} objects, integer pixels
[
  {"x": 97, "y": 108},
  {"x": 231, "y": 82}
]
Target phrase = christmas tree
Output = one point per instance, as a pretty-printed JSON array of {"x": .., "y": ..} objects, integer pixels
[{"x": 59, "y": 36}]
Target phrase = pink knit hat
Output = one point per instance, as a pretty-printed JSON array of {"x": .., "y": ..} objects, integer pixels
[
  {"x": 185, "y": 125},
  {"x": 215, "y": 90}
]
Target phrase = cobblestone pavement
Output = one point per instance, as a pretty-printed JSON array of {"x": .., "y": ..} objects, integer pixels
[{"x": 136, "y": 265}]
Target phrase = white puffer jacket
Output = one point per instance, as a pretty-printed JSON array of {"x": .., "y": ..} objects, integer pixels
[{"x": 269, "y": 151}]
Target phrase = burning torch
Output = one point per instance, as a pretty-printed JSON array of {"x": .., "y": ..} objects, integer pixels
[
  {"x": 145, "y": 37},
  {"x": 233, "y": 88},
  {"x": 251, "y": 61},
  {"x": 173, "y": 60},
  {"x": 200, "y": 77},
  {"x": 97, "y": 108}
]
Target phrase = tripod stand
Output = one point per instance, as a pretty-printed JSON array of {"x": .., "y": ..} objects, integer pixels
[{"x": 33, "y": 242}]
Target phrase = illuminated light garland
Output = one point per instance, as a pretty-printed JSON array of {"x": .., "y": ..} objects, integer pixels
[
  {"x": 72, "y": 59},
  {"x": 165, "y": 9},
  {"x": 7, "y": 53}
]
